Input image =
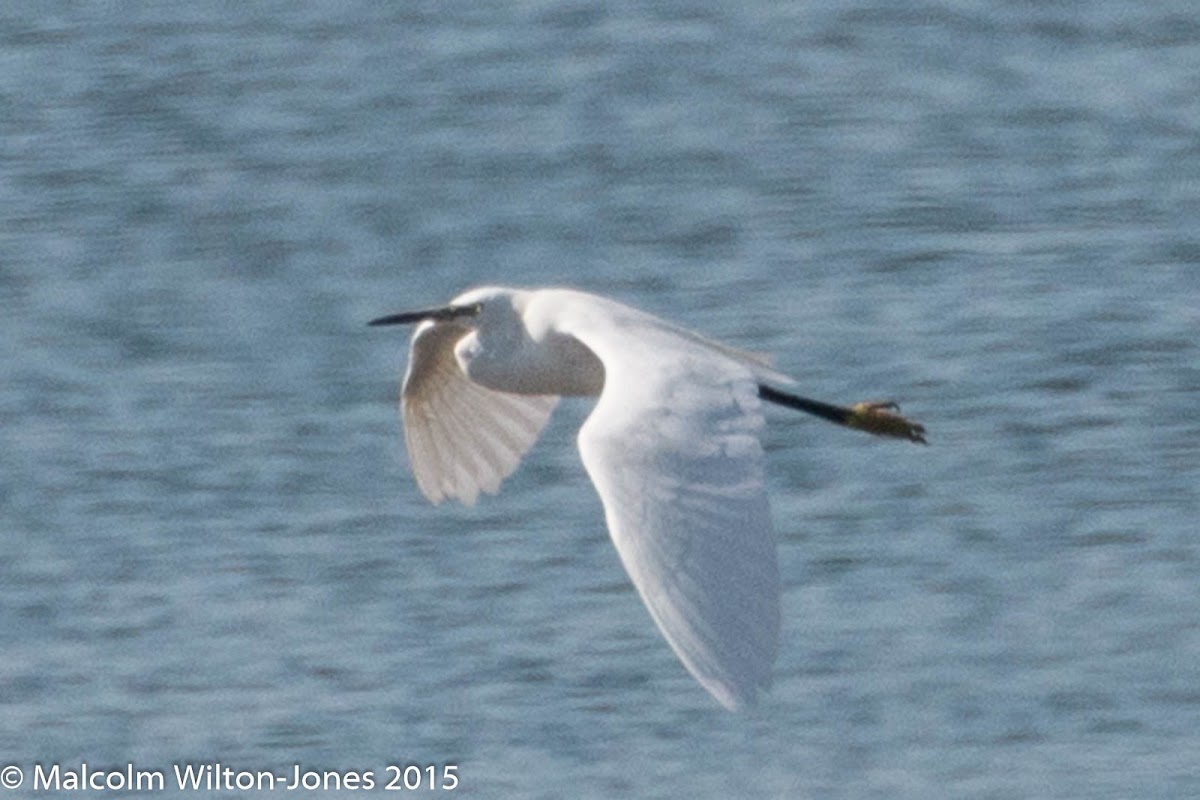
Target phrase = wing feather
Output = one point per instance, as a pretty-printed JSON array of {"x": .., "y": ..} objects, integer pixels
[
  {"x": 673, "y": 450},
  {"x": 462, "y": 438}
]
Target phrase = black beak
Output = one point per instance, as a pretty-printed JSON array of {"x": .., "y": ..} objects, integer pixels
[{"x": 438, "y": 314}]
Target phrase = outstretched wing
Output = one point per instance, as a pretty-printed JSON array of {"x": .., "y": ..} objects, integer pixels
[
  {"x": 462, "y": 438},
  {"x": 673, "y": 449}
]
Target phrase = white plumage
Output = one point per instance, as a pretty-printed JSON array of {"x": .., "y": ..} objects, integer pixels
[{"x": 672, "y": 447}]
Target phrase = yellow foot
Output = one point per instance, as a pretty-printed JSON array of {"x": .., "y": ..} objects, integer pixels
[{"x": 877, "y": 418}]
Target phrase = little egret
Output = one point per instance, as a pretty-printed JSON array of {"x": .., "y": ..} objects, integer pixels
[{"x": 672, "y": 447}]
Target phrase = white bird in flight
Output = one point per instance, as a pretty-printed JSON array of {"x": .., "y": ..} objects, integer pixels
[{"x": 672, "y": 447}]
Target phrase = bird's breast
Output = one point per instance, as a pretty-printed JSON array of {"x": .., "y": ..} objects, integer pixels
[{"x": 554, "y": 365}]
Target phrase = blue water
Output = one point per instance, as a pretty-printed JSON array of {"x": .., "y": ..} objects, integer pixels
[{"x": 213, "y": 549}]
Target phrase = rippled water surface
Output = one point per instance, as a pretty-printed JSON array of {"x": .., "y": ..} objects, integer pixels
[{"x": 213, "y": 546}]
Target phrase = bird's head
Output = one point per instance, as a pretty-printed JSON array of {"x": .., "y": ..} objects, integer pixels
[{"x": 481, "y": 305}]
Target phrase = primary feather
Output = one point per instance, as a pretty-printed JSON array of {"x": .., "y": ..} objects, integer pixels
[{"x": 462, "y": 438}]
